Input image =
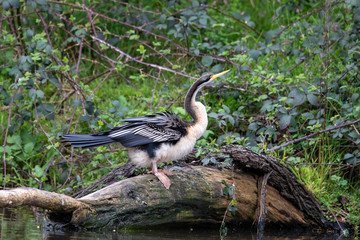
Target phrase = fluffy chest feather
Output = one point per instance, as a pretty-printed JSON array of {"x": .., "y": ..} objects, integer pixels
[{"x": 167, "y": 151}]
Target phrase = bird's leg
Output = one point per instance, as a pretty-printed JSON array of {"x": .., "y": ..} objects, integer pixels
[{"x": 161, "y": 175}]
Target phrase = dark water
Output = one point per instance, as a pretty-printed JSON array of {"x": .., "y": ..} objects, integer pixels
[{"x": 23, "y": 223}]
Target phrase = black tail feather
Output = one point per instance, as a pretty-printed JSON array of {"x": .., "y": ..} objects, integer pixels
[{"x": 86, "y": 141}]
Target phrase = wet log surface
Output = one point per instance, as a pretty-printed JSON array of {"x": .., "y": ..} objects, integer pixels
[{"x": 195, "y": 197}]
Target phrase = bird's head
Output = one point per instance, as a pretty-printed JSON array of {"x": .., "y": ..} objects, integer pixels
[
  {"x": 190, "y": 102},
  {"x": 206, "y": 79}
]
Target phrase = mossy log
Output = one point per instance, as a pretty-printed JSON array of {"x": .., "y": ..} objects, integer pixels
[{"x": 195, "y": 197}]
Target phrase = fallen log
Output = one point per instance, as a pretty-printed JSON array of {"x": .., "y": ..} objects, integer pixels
[{"x": 195, "y": 197}]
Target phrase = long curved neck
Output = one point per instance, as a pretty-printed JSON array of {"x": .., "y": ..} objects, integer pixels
[
  {"x": 190, "y": 105},
  {"x": 197, "y": 111}
]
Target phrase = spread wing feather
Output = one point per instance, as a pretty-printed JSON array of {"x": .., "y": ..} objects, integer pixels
[{"x": 161, "y": 127}]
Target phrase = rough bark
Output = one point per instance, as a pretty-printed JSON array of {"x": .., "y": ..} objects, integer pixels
[
  {"x": 38, "y": 198},
  {"x": 195, "y": 197},
  {"x": 261, "y": 202},
  {"x": 282, "y": 178}
]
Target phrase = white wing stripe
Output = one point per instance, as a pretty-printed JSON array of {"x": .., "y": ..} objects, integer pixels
[{"x": 159, "y": 128}]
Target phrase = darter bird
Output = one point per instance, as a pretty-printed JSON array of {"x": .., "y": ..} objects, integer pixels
[{"x": 157, "y": 138}]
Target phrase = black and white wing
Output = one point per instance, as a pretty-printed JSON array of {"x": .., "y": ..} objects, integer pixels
[{"x": 161, "y": 127}]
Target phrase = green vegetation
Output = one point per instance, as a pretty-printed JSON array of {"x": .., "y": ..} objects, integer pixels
[{"x": 81, "y": 68}]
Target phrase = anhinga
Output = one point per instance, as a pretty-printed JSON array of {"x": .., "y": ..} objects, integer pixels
[{"x": 157, "y": 138}]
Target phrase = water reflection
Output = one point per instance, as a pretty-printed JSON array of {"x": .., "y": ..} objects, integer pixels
[{"x": 23, "y": 223}]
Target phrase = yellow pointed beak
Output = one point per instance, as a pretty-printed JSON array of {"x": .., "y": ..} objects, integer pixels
[{"x": 219, "y": 74}]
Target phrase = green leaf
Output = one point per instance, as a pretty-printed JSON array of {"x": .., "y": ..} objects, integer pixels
[
  {"x": 231, "y": 120},
  {"x": 6, "y": 5},
  {"x": 313, "y": 100},
  {"x": 253, "y": 126},
  {"x": 80, "y": 33},
  {"x": 48, "y": 50},
  {"x": 41, "y": 45},
  {"x": 354, "y": 97},
  {"x": 275, "y": 47},
  {"x": 90, "y": 107},
  {"x": 354, "y": 134},
  {"x": 203, "y": 21},
  {"x": 267, "y": 106},
  {"x": 232, "y": 209},
  {"x": 141, "y": 49},
  {"x": 32, "y": 94},
  {"x": 195, "y": 3},
  {"x": 284, "y": 121},
  {"x": 205, "y": 161},
  {"x": 7, "y": 149},
  {"x": 85, "y": 118},
  {"x": 348, "y": 156},
  {"x": 134, "y": 37},
  {"x": 15, "y": 72},
  {"x": 175, "y": 66},
  {"x": 41, "y": 2},
  {"x": 14, "y": 139},
  {"x": 14, "y": 3},
  {"x": 213, "y": 115},
  {"x": 206, "y": 61},
  {"x": 97, "y": 112},
  {"x": 217, "y": 68},
  {"x": 116, "y": 103},
  {"x": 308, "y": 115},
  {"x": 119, "y": 114},
  {"x": 40, "y": 93},
  {"x": 223, "y": 182},
  {"x": 49, "y": 107},
  {"x": 179, "y": 111},
  {"x": 298, "y": 97},
  {"x": 38, "y": 171},
  {"x": 54, "y": 80},
  {"x": 320, "y": 113},
  {"x": 161, "y": 26},
  {"x": 29, "y": 34},
  {"x": 207, "y": 133},
  {"x": 226, "y": 108},
  {"x": 231, "y": 192},
  {"x": 51, "y": 154},
  {"x": 29, "y": 147},
  {"x": 254, "y": 54},
  {"x": 24, "y": 59},
  {"x": 31, "y": 4},
  {"x": 76, "y": 103}
]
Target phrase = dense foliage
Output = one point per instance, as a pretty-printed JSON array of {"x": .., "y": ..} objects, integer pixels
[{"x": 81, "y": 67}]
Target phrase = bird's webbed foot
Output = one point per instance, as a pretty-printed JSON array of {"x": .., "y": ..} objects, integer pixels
[
  {"x": 162, "y": 175},
  {"x": 167, "y": 172},
  {"x": 163, "y": 179}
]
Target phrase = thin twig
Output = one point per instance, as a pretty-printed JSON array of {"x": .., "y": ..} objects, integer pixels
[
  {"x": 312, "y": 55},
  {"x": 67, "y": 75},
  {"x": 312, "y": 135},
  {"x": 154, "y": 91},
  {"x": 305, "y": 16},
  {"x": 102, "y": 81},
  {"x": 139, "y": 61},
  {"x": 79, "y": 58},
  {"x": 239, "y": 21},
  {"x": 6, "y": 134}
]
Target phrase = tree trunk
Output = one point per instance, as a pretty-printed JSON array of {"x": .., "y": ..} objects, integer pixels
[{"x": 196, "y": 196}]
